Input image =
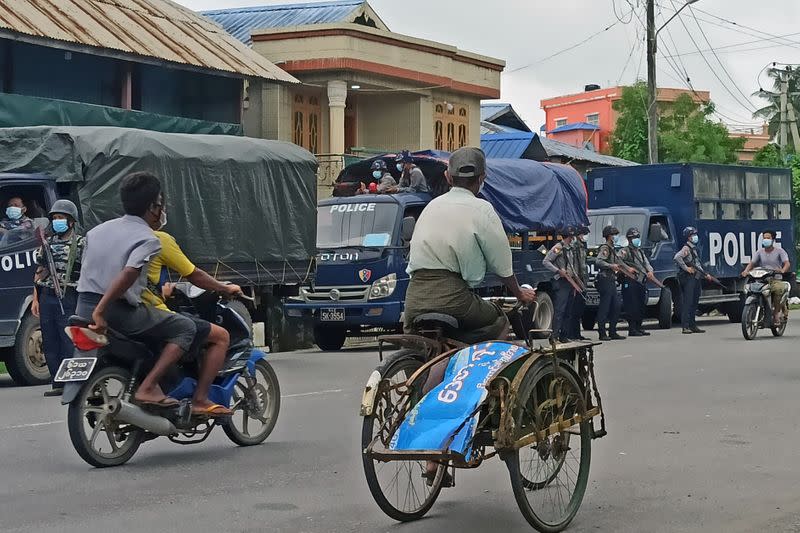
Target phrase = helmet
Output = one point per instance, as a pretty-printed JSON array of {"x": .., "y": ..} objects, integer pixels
[
  {"x": 379, "y": 164},
  {"x": 64, "y": 207},
  {"x": 688, "y": 231},
  {"x": 404, "y": 157},
  {"x": 583, "y": 230},
  {"x": 570, "y": 231},
  {"x": 608, "y": 231},
  {"x": 633, "y": 233}
]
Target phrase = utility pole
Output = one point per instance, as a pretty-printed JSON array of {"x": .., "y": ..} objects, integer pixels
[
  {"x": 782, "y": 139},
  {"x": 793, "y": 125},
  {"x": 652, "y": 104}
]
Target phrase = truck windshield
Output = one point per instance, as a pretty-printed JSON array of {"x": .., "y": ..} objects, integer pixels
[
  {"x": 366, "y": 224},
  {"x": 622, "y": 221}
]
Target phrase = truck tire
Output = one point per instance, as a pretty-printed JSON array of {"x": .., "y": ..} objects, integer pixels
[
  {"x": 665, "y": 309},
  {"x": 243, "y": 311},
  {"x": 734, "y": 310},
  {"x": 25, "y": 363},
  {"x": 589, "y": 319},
  {"x": 544, "y": 315},
  {"x": 329, "y": 339}
]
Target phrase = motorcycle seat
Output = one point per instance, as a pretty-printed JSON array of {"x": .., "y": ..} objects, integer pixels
[
  {"x": 434, "y": 320},
  {"x": 79, "y": 321}
]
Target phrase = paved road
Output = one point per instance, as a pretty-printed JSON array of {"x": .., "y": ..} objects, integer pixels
[{"x": 702, "y": 437}]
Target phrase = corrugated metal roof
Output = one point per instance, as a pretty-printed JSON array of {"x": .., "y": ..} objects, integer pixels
[
  {"x": 156, "y": 29},
  {"x": 576, "y": 126},
  {"x": 514, "y": 145},
  {"x": 490, "y": 111},
  {"x": 490, "y": 127},
  {"x": 557, "y": 148},
  {"x": 240, "y": 22},
  {"x": 506, "y": 145}
]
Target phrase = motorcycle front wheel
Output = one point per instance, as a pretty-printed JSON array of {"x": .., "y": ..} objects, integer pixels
[
  {"x": 779, "y": 330},
  {"x": 98, "y": 438},
  {"x": 750, "y": 321},
  {"x": 256, "y": 403}
]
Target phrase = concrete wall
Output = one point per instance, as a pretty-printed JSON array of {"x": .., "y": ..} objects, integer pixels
[{"x": 389, "y": 122}]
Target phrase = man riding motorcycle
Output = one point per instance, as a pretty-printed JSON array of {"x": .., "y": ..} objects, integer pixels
[
  {"x": 457, "y": 238},
  {"x": 772, "y": 258}
]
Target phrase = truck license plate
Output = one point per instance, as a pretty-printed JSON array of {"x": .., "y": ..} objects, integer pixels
[
  {"x": 75, "y": 369},
  {"x": 332, "y": 315}
]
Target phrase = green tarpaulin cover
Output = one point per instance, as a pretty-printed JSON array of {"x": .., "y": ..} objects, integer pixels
[{"x": 245, "y": 206}]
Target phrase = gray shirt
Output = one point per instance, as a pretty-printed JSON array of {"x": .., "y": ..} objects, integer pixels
[
  {"x": 559, "y": 258},
  {"x": 688, "y": 257},
  {"x": 112, "y": 246},
  {"x": 413, "y": 181},
  {"x": 579, "y": 252},
  {"x": 606, "y": 258},
  {"x": 773, "y": 260},
  {"x": 636, "y": 258}
]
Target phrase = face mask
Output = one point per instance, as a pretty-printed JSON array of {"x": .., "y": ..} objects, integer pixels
[
  {"x": 60, "y": 226},
  {"x": 694, "y": 239},
  {"x": 766, "y": 243},
  {"x": 162, "y": 219},
  {"x": 617, "y": 240},
  {"x": 14, "y": 213},
  {"x": 636, "y": 242},
  {"x": 399, "y": 167},
  {"x": 377, "y": 174}
]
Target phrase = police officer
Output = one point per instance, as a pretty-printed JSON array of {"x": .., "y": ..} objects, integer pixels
[
  {"x": 66, "y": 246},
  {"x": 579, "y": 252},
  {"x": 559, "y": 261},
  {"x": 609, "y": 265},
  {"x": 634, "y": 287},
  {"x": 690, "y": 275}
]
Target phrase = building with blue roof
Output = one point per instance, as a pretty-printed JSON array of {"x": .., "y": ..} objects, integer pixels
[{"x": 363, "y": 87}]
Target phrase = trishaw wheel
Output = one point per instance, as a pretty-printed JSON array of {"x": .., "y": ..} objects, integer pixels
[
  {"x": 549, "y": 476},
  {"x": 398, "y": 487}
]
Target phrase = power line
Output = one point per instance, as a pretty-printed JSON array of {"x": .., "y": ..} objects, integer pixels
[
  {"x": 739, "y": 26},
  {"x": 725, "y": 49}
]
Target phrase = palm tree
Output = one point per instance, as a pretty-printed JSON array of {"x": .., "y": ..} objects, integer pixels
[{"x": 772, "y": 112}]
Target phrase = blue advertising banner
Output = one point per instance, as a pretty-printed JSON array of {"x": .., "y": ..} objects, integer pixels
[{"x": 450, "y": 407}]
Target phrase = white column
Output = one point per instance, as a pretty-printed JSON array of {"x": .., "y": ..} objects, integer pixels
[{"x": 337, "y": 98}]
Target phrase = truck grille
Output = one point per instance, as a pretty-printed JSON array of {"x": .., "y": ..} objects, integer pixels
[{"x": 336, "y": 294}]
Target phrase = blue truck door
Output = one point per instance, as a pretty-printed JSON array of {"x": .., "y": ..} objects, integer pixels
[{"x": 17, "y": 266}]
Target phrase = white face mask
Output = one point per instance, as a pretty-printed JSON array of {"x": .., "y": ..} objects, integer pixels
[{"x": 162, "y": 219}]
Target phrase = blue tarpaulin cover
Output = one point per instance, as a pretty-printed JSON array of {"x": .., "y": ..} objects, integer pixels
[{"x": 534, "y": 196}]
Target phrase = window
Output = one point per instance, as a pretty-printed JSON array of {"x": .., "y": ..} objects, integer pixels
[
  {"x": 782, "y": 211},
  {"x": 780, "y": 187},
  {"x": 306, "y": 120},
  {"x": 707, "y": 210},
  {"x": 560, "y": 122},
  {"x": 757, "y": 184},
  {"x": 706, "y": 185},
  {"x": 339, "y": 228},
  {"x": 450, "y": 126},
  {"x": 623, "y": 221},
  {"x": 664, "y": 223},
  {"x": 759, "y": 211},
  {"x": 730, "y": 211},
  {"x": 593, "y": 118},
  {"x": 731, "y": 186},
  {"x": 23, "y": 239}
]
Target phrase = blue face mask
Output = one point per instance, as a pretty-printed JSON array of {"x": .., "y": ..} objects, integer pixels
[
  {"x": 399, "y": 167},
  {"x": 694, "y": 239},
  {"x": 377, "y": 174},
  {"x": 60, "y": 226},
  {"x": 766, "y": 243},
  {"x": 14, "y": 213},
  {"x": 636, "y": 242}
]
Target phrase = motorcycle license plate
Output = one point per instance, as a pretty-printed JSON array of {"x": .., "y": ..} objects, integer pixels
[
  {"x": 75, "y": 369},
  {"x": 331, "y": 315}
]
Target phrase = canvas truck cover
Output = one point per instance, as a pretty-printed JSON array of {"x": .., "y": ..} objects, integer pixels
[
  {"x": 533, "y": 196},
  {"x": 239, "y": 204}
]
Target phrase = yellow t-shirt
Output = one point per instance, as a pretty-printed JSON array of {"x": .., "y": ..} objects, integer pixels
[{"x": 170, "y": 258}]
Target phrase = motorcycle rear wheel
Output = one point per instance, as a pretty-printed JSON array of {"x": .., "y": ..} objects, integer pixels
[
  {"x": 749, "y": 323},
  {"x": 255, "y": 402},
  {"x": 96, "y": 436}
]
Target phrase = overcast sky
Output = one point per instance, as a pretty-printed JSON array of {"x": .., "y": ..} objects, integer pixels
[{"x": 527, "y": 32}]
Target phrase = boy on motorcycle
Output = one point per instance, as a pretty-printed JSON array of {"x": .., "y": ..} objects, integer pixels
[
  {"x": 113, "y": 277},
  {"x": 772, "y": 258},
  {"x": 215, "y": 338}
]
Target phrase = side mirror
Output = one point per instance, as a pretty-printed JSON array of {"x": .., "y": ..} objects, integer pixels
[
  {"x": 407, "y": 229},
  {"x": 657, "y": 233}
]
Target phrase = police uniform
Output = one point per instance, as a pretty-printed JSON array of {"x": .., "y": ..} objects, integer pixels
[
  {"x": 67, "y": 252},
  {"x": 560, "y": 258},
  {"x": 606, "y": 282},
  {"x": 634, "y": 291},
  {"x": 691, "y": 287},
  {"x": 579, "y": 252}
]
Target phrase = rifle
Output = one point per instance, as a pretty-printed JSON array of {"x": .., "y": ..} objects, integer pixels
[
  {"x": 575, "y": 283},
  {"x": 714, "y": 280},
  {"x": 51, "y": 266}
]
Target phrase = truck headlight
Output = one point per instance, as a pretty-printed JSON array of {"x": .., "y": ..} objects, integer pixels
[{"x": 383, "y": 287}]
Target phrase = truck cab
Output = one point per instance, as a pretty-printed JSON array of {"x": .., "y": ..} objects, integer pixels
[
  {"x": 361, "y": 280},
  {"x": 20, "y": 338}
]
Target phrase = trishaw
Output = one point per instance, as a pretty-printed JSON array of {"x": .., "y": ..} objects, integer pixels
[{"x": 533, "y": 406}]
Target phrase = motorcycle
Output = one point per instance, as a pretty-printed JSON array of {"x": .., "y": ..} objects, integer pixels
[
  {"x": 758, "y": 312},
  {"x": 105, "y": 424}
]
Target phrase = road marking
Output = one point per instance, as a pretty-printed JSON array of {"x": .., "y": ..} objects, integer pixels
[
  {"x": 315, "y": 393},
  {"x": 35, "y": 425}
]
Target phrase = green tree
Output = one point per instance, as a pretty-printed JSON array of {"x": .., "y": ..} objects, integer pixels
[
  {"x": 686, "y": 132},
  {"x": 771, "y": 112}
]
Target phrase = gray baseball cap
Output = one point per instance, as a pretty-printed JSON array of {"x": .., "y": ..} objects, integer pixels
[{"x": 467, "y": 162}]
